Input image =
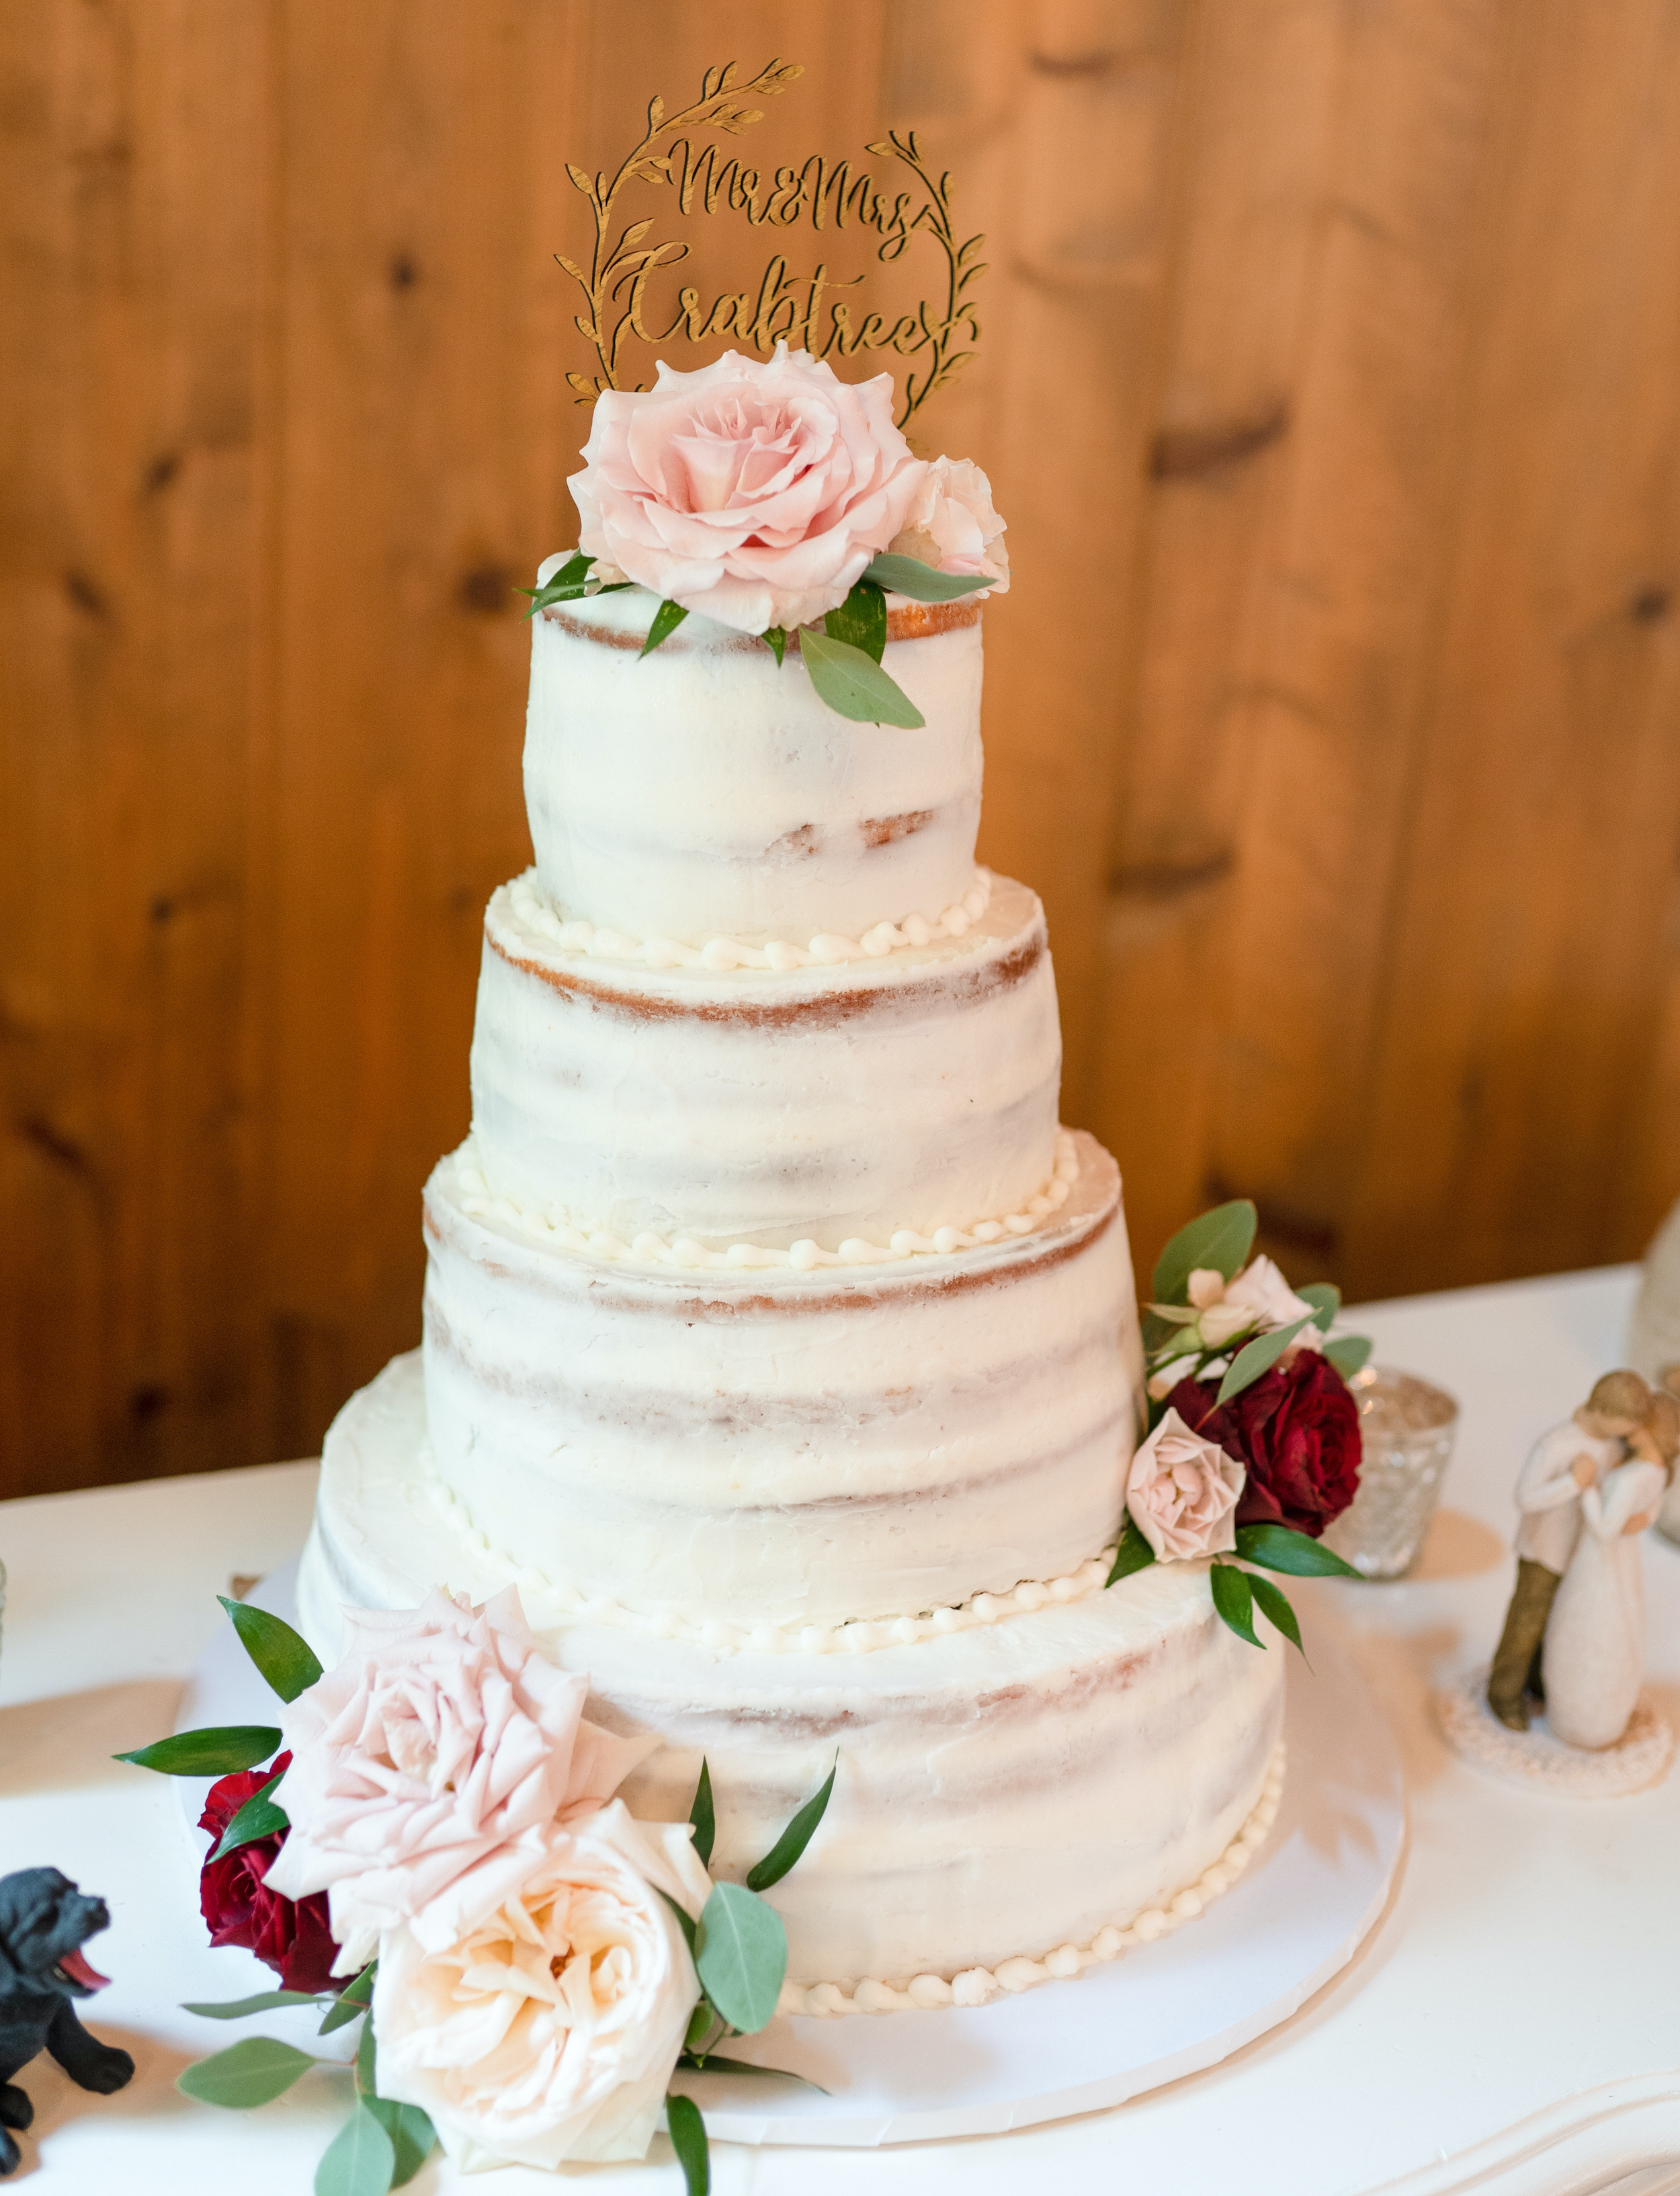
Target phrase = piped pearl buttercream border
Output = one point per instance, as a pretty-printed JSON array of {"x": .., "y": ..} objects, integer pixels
[
  {"x": 721, "y": 955},
  {"x": 803, "y": 1258},
  {"x": 975, "y": 1985},
  {"x": 860, "y": 1635}
]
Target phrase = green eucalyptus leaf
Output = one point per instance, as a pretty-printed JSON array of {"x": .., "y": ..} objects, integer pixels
[
  {"x": 685, "y": 1921},
  {"x": 909, "y": 576},
  {"x": 703, "y": 1816},
  {"x": 413, "y": 2138},
  {"x": 1234, "y": 1597},
  {"x": 562, "y": 586},
  {"x": 367, "y": 2061},
  {"x": 236, "y": 2009},
  {"x": 665, "y": 619},
  {"x": 1158, "y": 1332},
  {"x": 861, "y": 619},
  {"x": 1274, "y": 1603},
  {"x": 1277, "y": 1548},
  {"x": 1326, "y": 1300},
  {"x": 702, "y": 2022},
  {"x": 1257, "y": 1357},
  {"x": 1133, "y": 1554},
  {"x": 259, "y": 1818},
  {"x": 714, "y": 2062},
  {"x": 360, "y": 2160},
  {"x": 774, "y": 638},
  {"x": 1221, "y": 1239},
  {"x": 287, "y": 1663},
  {"x": 254, "y": 2072},
  {"x": 794, "y": 1838},
  {"x": 1348, "y": 1353},
  {"x": 352, "y": 2002},
  {"x": 217, "y": 1751},
  {"x": 741, "y": 1950},
  {"x": 854, "y": 686},
  {"x": 687, "y": 2131}
]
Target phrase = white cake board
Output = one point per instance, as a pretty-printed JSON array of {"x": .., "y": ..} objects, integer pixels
[{"x": 1291, "y": 1921}]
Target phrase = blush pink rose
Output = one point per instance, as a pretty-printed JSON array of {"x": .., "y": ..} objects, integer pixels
[
  {"x": 428, "y": 1766},
  {"x": 952, "y": 526},
  {"x": 1182, "y": 1492},
  {"x": 752, "y": 491}
]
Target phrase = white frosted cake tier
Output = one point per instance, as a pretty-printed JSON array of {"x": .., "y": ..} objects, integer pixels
[
  {"x": 787, "y": 1448},
  {"x": 702, "y": 791},
  {"x": 909, "y": 1092},
  {"x": 1004, "y": 1792}
]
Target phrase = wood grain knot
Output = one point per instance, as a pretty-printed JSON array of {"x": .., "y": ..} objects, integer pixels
[
  {"x": 484, "y": 590},
  {"x": 1186, "y": 453},
  {"x": 86, "y": 595}
]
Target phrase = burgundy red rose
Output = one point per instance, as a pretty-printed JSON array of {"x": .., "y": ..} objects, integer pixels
[
  {"x": 291, "y": 1936},
  {"x": 1296, "y": 1432}
]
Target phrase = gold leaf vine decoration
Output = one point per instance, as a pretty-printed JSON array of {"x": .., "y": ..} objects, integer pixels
[{"x": 786, "y": 304}]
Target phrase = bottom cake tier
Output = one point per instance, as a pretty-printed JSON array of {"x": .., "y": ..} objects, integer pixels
[{"x": 1025, "y": 1782}]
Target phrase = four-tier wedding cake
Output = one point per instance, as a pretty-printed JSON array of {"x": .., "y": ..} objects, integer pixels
[{"x": 779, "y": 1346}]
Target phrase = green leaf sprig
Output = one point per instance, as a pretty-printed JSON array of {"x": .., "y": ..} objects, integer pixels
[
  {"x": 844, "y": 659},
  {"x": 739, "y": 1949},
  {"x": 571, "y": 581},
  {"x": 1236, "y": 1593},
  {"x": 382, "y": 2144}
]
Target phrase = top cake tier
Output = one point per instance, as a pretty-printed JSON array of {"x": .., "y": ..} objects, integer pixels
[{"x": 700, "y": 792}]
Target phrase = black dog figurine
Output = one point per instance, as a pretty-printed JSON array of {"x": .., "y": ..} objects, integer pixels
[{"x": 44, "y": 1922}]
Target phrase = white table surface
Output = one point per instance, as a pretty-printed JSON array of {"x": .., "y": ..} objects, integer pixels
[{"x": 1512, "y": 2024}]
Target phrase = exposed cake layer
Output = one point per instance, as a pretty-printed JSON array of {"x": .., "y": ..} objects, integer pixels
[
  {"x": 787, "y": 1448},
  {"x": 704, "y": 791},
  {"x": 1002, "y": 1792},
  {"x": 914, "y": 1092}
]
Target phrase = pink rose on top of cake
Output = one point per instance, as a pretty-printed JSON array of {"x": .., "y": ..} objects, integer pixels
[
  {"x": 1182, "y": 1492},
  {"x": 547, "y": 2032},
  {"x": 952, "y": 526},
  {"x": 428, "y": 1766},
  {"x": 755, "y": 492}
]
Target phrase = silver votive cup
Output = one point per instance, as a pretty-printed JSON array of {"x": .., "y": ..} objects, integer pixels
[{"x": 1407, "y": 1428}]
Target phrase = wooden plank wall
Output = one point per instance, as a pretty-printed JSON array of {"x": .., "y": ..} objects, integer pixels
[{"x": 1332, "y": 389}]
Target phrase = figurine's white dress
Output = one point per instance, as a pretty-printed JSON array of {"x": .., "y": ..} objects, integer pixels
[{"x": 1594, "y": 1655}]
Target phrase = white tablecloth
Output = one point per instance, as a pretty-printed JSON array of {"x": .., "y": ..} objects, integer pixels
[{"x": 1512, "y": 2024}]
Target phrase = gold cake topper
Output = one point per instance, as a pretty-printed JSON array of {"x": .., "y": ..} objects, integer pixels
[{"x": 813, "y": 312}]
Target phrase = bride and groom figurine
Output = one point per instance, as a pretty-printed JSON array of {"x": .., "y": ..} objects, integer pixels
[{"x": 1574, "y": 1636}]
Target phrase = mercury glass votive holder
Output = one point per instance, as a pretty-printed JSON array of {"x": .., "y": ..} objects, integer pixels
[{"x": 1407, "y": 1428}]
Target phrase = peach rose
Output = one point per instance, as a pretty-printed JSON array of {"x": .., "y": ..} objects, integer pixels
[
  {"x": 755, "y": 492},
  {"x": 1183, "y": 1493},
  {"x": 951, "y": 524},
  {"x": 428, "y": 1765},
  {"x": 548, "y": 2031}
]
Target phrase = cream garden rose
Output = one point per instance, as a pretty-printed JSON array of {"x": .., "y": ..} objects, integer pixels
[
  {"x": 548, "y": 2031},
  {"x": 430, "y": 1766},
  {"x": 755, "y": 491},
  {"x": 951, "y": 524},
  {"x": 1183, "y": 1493}
]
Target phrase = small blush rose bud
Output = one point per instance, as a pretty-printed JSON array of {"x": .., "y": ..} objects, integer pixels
[
  {"x": 1206, "y": 1286},
  {"x": 1222, "y": 1322}
]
